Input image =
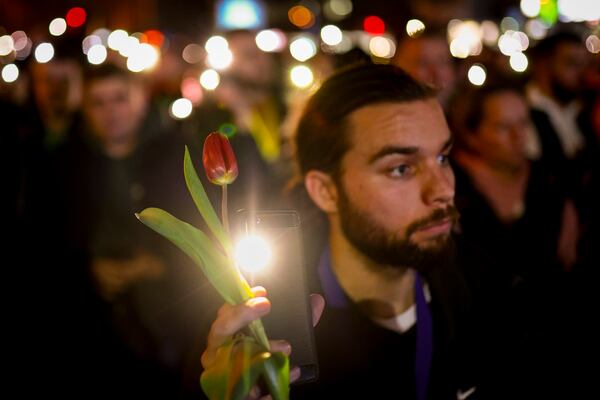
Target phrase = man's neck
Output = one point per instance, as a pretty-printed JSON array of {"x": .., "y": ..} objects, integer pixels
[{"x": 382, "y": 291}]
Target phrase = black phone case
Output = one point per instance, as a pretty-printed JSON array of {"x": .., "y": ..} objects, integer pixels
[{"x": 285, "y": 280}]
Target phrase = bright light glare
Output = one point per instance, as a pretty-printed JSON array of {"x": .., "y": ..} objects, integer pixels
[
  {"x": 303, "y": 48},
  {"x": 530, "y": 8},
  {"x": 210, "y": 79},
  {"x": 518, "y": 62},
  {"x": 57, "y": 27},
  {"x": 10, "y": 73},
  {"x": 181, "y": 108},
  {"x": 270, "y": 40},
  {"x": 128, "y": 46},
  {"x": 252, "y": 254},
  {"x": 477, "y": 74},
  {"x": 382, "y": 47},
  {"x": 216, "y": 44},
  {"x": 6, "y": 45},
  {"x": 143, "y": 57},
  {"x": 414, "y": 27},
  {"x": 331, "y": 35},
  {"x": 96, "y": 54},
  {"x": 579, "y": 10},
  {"x": 117, "y": 39},
  {"x": 44, "y": 52},
  {"x": 301, "y": 76},
  {"x": 219, "y": 59}
]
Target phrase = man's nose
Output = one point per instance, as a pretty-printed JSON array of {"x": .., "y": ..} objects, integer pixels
[{"x": 438, "y": 186}]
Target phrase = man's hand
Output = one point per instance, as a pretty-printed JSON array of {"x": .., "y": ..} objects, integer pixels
[{"x": 231, "y": 319}]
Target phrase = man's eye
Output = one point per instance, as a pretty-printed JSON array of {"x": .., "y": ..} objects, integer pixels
[
  {"x": 400, "y": 171},
  {"x": 443, "y": 159}
]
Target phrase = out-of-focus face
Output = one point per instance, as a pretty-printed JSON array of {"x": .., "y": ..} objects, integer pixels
[
  {"x": 114, "y": 109},
  {"x": 249, "y": 62},
  {"x": 502, "y": 133},
  {"x": 57, "y": 86},
  {"x": 428, "y": 60},
  {"x": 567, "y": 68},
  {"x": 396, "y": 188}
]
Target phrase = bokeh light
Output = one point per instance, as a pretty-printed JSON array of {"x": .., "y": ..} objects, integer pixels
[
  {"x": 592, "y": 43},
  {"x": 193, "y": 53},
  {"x": 382, "y": 47},
  {"x": 465, "y": 38},
  {"x": 117, "y": 39},
  {"x": 129, "y": 46},
  {"x": 303, "y": 48},
  {"x": 191, "y": 90},
  {"x": 57, "y": 26},
  {"x": 336, "y": 10},
  {"x": 301, "y": 17},
  {"x": 536, "y": 29},
  {"x": 103, "y": 34},
  {"x": 579, "y": 10},
  {"x": 489, "y": 32},
  {"x": 181, "y": 108},
  {"x": 518, "y": 62},
  {"x": 512, "y": 42},
  {"x": 220, "y": 60},
  {"x": 216, "y": 44},
  {"x": 10, "y": 73},
  {"x": 477, "y": 74},
  {"x": 374, "y": 25},
  {"x": 90, "y": 41},
  {"x": 44, "y": 52},
  {"x": 301, "y": 76},
  {"x": 530, "y": 8},
  {"x": 6, "y": 45},
  {"x": 76, "y": 17},
  {"x": 97, "y": 54},
  {"x": 210, "y": 79},
  {"x": 414, "y": 27},
  {"x": 509, "y": 24},
  {"x": 143, "y": 57},
  {"x": 270, "y": 40},
  {"x": 331, "y": 35}
]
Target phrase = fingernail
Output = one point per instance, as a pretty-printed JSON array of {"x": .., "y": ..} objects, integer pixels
[
  {"x": 259, "y": 303},
  {"x": 294, "y": 374},
  {"x": 285, "y": 347}
]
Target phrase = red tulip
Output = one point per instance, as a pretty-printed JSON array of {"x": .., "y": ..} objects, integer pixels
[{"x": 219, "y": 160}]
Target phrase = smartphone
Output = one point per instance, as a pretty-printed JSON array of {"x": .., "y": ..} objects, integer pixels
[{"x": 284, "y": 277}]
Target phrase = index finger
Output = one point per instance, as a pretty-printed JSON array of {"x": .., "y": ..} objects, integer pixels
[{"x": 230, "y": 321}]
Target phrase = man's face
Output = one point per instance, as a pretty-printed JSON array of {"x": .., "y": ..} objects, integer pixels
[
  {"x": 567, "y": 66},
  {"x": 501, "y": 136},
  {"x": 114, "y": 108},
  {"x": 396, "y": 188},
  {"x": 428, "y": 60}
]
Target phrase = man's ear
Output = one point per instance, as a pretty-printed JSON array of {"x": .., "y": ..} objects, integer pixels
[{"x": 322, "y": 190}]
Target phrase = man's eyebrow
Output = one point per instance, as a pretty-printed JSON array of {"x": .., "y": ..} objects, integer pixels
[
  {"x": 389, "y": 150},
  {"x": 449, "y": 143},
  {"x": 410, "y": 150}
]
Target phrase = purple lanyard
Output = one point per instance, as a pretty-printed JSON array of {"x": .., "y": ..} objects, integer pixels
[{"x": 424, "y": 351}]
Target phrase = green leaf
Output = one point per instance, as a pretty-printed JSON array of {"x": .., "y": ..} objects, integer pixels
[
  {"x": 238, "y": 366},
  {"x": 203, "y": 203},
  {"x": 217, "y": 268},
  {"x": 276, "y": 372}
]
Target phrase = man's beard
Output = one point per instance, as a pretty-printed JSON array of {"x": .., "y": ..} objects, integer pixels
[
  {"x": 388, "y": 248},
  {"x": 563, "y": 94}
]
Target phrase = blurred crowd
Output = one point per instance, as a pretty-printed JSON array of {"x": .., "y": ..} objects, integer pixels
[{"x": 97, "y": 298}]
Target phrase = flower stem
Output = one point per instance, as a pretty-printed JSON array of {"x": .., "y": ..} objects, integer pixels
[{"x": 224, "y": 213}]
